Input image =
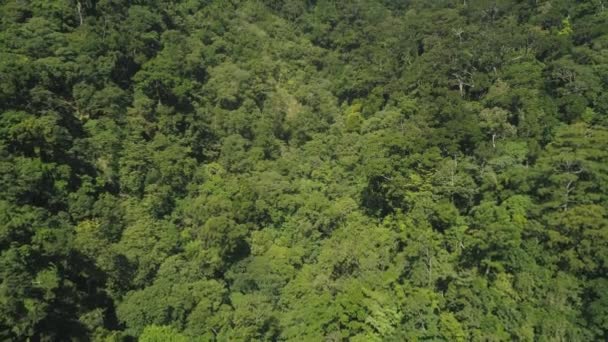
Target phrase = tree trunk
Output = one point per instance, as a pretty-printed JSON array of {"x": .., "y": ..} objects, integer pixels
[{"x": 79, "y": 8}]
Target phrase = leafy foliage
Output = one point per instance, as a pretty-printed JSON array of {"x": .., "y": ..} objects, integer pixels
[{"x": 286, "y": 170}]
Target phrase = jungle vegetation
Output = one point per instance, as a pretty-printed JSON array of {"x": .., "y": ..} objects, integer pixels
[{"x": 303, "y": 170}]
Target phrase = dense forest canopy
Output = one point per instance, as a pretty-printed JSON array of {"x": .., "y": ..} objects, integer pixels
[{"x": 291, "y": 170}]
